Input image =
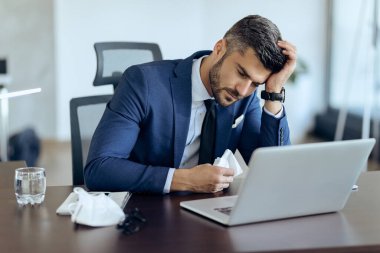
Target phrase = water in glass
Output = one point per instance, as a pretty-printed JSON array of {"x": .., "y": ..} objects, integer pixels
[{"x": 30, "y": 185}]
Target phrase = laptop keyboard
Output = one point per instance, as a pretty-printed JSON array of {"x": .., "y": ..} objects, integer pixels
[{"x": 225, "y": 210}]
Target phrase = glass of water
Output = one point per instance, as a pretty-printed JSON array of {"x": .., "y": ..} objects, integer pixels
[{"x": 30, "y": 185}]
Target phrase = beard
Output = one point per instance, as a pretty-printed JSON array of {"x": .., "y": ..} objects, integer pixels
[{"x": 218, "y": 89}]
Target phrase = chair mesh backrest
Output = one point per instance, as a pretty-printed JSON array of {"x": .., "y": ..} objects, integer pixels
[
  {"x": 85, "y": 114},
  {"x": 118, "y": 60},
  {"x": 113, "y": 58},
  {"x": 89, "y": 117}
]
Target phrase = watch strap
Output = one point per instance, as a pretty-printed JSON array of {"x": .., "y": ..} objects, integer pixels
[{"x": 273, "y": 96}]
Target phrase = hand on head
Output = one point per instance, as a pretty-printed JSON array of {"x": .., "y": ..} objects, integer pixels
[{"x": 277, "y": 80}]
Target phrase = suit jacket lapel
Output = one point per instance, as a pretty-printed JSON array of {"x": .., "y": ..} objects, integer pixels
[{"x": 181, "y": 93}]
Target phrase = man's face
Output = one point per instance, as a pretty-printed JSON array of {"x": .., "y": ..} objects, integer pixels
[{"x": 236, "y": 76}]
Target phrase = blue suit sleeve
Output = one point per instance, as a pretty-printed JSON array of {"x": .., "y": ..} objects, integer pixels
[
  {"x": 262, "y": 130},
  {"x": 108, "y": 164}
]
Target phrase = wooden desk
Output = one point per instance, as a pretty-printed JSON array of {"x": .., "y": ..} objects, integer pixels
[{"x": 172, "y": 229}]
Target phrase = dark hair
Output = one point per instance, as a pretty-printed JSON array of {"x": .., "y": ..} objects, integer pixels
[{"x": 261, "y": 35}]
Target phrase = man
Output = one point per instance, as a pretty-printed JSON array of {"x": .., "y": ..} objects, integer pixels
[{"x": 149, "y": 138}]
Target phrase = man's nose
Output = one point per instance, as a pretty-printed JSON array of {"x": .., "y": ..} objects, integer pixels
[{"x": 244, "y": 88}]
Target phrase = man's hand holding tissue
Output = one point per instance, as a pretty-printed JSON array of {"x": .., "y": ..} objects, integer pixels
[
  {"x": 202, "y": 178},
  {"x": 207, "y": 177}
]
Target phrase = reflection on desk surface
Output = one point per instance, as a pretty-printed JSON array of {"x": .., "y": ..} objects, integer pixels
[{"x": 330, "y": 229}]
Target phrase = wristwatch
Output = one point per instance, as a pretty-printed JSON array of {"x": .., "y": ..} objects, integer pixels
[{"x": 272, "y": 96}]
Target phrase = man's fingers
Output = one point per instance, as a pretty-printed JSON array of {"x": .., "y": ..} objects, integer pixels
[
  {"x": 227, "y": 171},
  {"x": 225, "y": 185},
  {"x": 210, "y": 178},
  {"x": 289, "y": 51},
  {"x": 227, "y": 179},
  {"x": 220, "y": 187},
  {"x": 287, "y": 45},
  {"x": 290, "y": 54}
]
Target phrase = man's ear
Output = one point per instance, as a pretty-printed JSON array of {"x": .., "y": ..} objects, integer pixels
[{"x": 220, "y": 47}]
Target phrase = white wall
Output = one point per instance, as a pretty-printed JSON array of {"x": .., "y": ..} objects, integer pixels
[
  {"x": 180, "y": 28},
  {"x": 26, "y": 40},
  {"x": 79, "y": 24}
]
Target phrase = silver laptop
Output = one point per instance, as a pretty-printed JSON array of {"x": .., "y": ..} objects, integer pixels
[{"x": 290, "y": 181}]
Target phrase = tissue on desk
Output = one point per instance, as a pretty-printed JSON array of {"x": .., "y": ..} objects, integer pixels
[
  {"x": 228, "y": 160},
  {"x": 95, "y": 210}
]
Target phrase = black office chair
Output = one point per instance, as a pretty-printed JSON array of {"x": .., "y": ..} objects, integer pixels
[
  {"x": 115, "y": 57},
  {"x": 85, "y": 114}
]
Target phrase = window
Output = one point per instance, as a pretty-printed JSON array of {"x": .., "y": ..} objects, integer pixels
[{"x": 355, "y": 61}]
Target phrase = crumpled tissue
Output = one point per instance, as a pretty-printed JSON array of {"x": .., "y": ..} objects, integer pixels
[
  {"x": 95, "y": 210},
  {"x": 228, "y": 160}
]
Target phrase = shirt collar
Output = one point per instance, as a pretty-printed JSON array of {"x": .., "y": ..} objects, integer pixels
[{"x": 198, "y": 89}]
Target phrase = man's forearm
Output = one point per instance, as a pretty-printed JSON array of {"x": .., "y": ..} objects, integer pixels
[
  {"x": 273, "y": 106},
  {"x": 117, "y": 174}
]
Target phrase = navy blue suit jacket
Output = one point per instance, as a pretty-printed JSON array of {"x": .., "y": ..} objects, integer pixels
[{"x": 144, "y": 128}]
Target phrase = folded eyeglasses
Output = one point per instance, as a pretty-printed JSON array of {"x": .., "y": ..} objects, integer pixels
[{"x": 132, "y": 222}]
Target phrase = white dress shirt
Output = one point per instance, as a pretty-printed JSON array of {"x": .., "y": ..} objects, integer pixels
[{"x": 198, "y": 111}]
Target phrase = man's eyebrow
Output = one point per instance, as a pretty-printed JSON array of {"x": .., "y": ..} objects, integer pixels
[{"x": 242, "y": 69}]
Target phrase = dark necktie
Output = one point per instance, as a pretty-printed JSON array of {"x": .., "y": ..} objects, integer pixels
[{"x": 206, "y": 149}]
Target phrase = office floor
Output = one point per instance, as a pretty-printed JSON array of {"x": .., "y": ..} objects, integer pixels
[{"x": 56, "y": 159}]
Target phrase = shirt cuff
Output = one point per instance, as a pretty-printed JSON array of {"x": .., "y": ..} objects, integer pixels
[
  {"x": 278, "y": 115},
  {"x": 169, "y": 179}
]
